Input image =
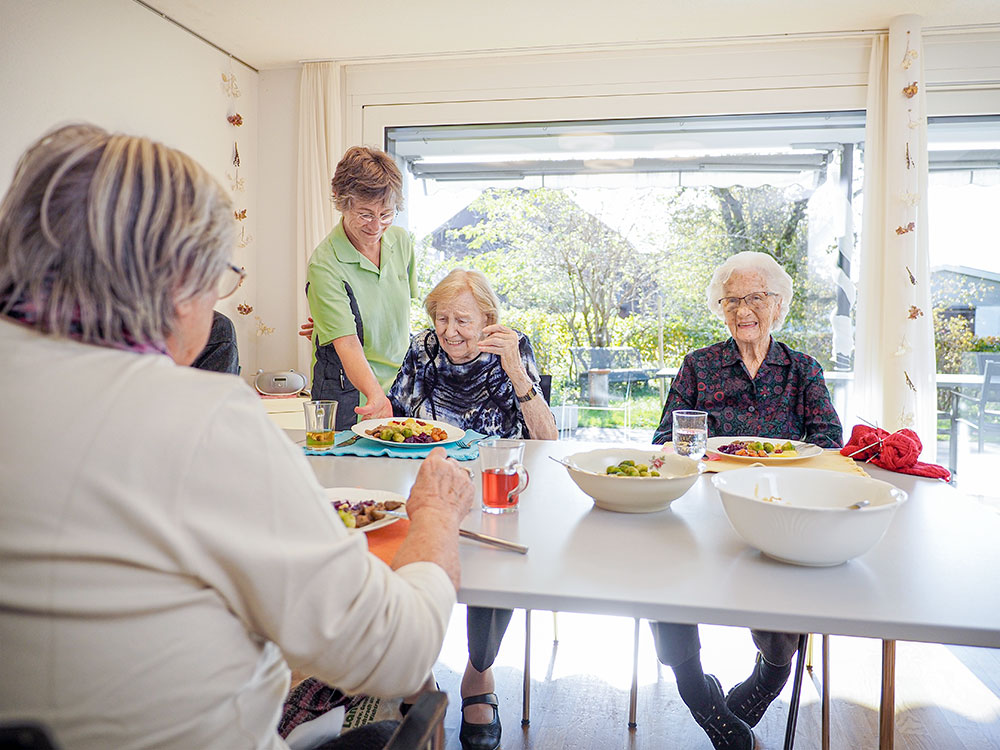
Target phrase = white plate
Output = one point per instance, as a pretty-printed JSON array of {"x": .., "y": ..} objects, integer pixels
[
  {"x": 803, "y": 450},
  {"x": 454, "y": 433},
  {"x": 357, "y": 494}
]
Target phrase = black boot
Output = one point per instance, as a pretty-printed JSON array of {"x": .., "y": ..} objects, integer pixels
[
  {"x": 724, "y": 729},
  {"x": 480, "y": 736},
  {"x": 750, "y": 699}
]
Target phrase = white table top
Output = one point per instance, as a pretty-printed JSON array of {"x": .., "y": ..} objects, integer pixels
[{"x": 929, "y": 579}]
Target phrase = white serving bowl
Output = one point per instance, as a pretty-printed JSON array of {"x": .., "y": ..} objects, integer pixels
[
  {"x": 811, "y": 524},
  {"x": 632, "y": 494}
]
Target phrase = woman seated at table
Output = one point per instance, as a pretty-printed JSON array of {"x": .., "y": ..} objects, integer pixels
[
  {"x": 749, "y": 384},
  {"x": 168, "y": 552},
  {"x": 471, "y": 371}
]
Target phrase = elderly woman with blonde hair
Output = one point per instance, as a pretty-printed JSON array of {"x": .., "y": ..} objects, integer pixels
[
  {"x": 159, "y": 578},
  {"x": 474, "y": 372},
  {"x": 750, "y": 384}
]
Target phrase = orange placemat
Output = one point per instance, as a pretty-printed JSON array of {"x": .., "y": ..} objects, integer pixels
[
  {"x": 831, "y": 460},
  {"x": 385, "y": 542}
]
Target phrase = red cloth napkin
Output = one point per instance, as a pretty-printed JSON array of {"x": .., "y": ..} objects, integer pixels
[{"x": 897, "y": 451}]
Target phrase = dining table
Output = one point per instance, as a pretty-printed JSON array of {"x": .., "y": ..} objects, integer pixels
[{"x": 926, "y": 580}]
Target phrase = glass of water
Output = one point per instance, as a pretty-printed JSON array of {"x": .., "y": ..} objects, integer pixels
[{"x": 690, "y": 433}]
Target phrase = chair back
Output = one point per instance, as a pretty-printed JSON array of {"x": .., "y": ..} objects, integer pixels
[
  {"x": 545, "y": 383},
  {"x": 991, "y": 384},
  {"x": 25, "y": 735},
  {"x": 423, "y": 726}
]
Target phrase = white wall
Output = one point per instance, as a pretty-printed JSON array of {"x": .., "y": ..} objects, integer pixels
[
  {"x": 276, "y": 240},
  {"x": 117, "y": 65}
]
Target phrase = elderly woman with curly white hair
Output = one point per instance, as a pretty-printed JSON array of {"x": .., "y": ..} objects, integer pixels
[{"x": 750, "y": 384}]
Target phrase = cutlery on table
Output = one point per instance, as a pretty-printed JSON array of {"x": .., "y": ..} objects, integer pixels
[
  {"x": 468, "y": 442},
  {"x": 484, "y": 538},
  {"x": 350, "y": 441}
]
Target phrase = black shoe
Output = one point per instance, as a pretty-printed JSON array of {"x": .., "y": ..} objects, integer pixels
[
  {"x": 750, "y": 699},
  {"x": 726, "y": 730},
  {"x": 480, "y": 736}
]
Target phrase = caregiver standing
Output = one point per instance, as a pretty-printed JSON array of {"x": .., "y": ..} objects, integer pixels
[{"x": 359, "y": 284}]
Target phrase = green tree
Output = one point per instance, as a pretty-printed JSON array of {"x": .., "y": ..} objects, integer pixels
[{"x": 556, "y": 257}]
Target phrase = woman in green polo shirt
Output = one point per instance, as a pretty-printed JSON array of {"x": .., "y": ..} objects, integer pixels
[{"x": 359, "y": 284}]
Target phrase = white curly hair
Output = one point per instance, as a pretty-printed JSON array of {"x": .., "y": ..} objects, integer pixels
[{"x": 775, "y": 277}]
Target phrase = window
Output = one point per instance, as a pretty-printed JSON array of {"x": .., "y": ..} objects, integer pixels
[
  {"x": 963, "y": 195},
  {"x": 602, "y": 235}
]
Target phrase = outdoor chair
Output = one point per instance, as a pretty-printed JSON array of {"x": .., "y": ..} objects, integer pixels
[{"x": 986, "y": 407}]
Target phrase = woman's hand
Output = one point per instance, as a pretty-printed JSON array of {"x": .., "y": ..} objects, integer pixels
[
  {"x": 442, "y": 489},
  {"x": 380, "y": 408},
  {"x": 439, "y": 499},
  {"x": 502, "y": 341},
  {"x": 306, "y": 329}
]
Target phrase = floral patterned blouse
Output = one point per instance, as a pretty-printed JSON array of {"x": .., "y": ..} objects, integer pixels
[
  {"x": 787, "y": 399},
  {"x": 474, "y": 395}
]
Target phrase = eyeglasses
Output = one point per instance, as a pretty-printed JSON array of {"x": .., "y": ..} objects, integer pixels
[
  {"x": 384, "y": 219},
  {"x": 231, "y": 280},
  {"x": 755, "y": 301}
]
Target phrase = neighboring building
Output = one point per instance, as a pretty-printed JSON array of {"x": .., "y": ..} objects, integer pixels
[{"x": 971, "y": 293}]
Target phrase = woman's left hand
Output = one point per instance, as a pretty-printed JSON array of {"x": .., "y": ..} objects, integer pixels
[{"x": 502, "y": 341}]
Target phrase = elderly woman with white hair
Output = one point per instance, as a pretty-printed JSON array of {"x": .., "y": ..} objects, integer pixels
[
  {"x": 750, "y": 384},
  {"x": 167, "y": 552}
]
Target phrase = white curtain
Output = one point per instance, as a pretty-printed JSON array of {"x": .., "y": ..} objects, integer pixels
[
  {"x": 894, "y": 363},
  {"x": 320, "y": 148}
]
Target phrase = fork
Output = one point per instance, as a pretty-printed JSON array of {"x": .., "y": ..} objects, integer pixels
[{"x": 468, "y": 442}]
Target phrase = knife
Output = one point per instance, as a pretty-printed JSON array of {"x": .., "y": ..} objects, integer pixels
[
  {"x": 484, "y": 538},
  {"x": 350, "y": 441}
]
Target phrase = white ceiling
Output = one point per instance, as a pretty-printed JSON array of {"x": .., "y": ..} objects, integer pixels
[{"x": 280, "y": 33}]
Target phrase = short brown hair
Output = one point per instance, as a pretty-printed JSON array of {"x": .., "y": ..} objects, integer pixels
[
  {"x": 366, "y": 174},
  {"x": 461, "y": 280}
]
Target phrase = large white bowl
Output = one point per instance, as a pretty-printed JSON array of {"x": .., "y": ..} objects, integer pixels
[
  {"x": 811, "y": 524},
  {"x": 632, "y": 494}
]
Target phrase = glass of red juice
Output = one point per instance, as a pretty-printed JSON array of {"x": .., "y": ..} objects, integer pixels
[{"x": 504, "y": 475}]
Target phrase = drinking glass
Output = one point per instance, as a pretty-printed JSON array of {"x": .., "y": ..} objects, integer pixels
[
  {"x": 504, "y": 475},
  {"x": 321, "y": 424},
  {"x": 690, "y": 433}
]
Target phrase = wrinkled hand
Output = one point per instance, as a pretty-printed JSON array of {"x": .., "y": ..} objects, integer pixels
[
  {"x": 306, "y": 329},
  {"x": 502, "y": 340},
  {"x": 443, "y": 488},
  {"x": 380, "y": 408}
]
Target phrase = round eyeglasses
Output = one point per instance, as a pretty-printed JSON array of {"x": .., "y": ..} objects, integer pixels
[
  {"x": 231, "y": 280},
  {"x": 385, "y": 219},
  {"x": 755, "y": 301}
]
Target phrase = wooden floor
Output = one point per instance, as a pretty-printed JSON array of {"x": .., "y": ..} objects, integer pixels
[{"x": 946, "y": 696}]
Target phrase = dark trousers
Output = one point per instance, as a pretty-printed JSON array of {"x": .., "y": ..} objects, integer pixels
[
  {"x": 485, "y": 627},
  {"x": 676, "y": 643}
]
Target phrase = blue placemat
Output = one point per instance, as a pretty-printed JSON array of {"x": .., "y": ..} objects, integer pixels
[{"x": 366, "y": 447}]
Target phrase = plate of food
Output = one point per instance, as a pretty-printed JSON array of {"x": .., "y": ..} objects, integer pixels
[
  {"x": 407, "y": 432},
  {"x": 762, "y": 449},
  {"x": 363, "y": 509}
]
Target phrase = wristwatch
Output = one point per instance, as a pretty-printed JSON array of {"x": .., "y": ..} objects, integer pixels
[{"x": 527, "y": 396}]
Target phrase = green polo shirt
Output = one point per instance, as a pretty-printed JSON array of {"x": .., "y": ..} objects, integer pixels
[{"x": 382, "y": 296}]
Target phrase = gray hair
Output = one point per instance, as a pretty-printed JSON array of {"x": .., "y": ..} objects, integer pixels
[
  {"x": 105, "y": 233},
  {"x": 776, "y": 278}
]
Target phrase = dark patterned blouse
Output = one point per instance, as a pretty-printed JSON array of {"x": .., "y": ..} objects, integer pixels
[
  {"x": 787, "y": 399},
  {"x": 475, "y": 395}
]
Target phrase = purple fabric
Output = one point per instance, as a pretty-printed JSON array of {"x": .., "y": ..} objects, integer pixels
[
  {"x": 787, "y": 399},
  {"x": 26, "y": 311}
]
